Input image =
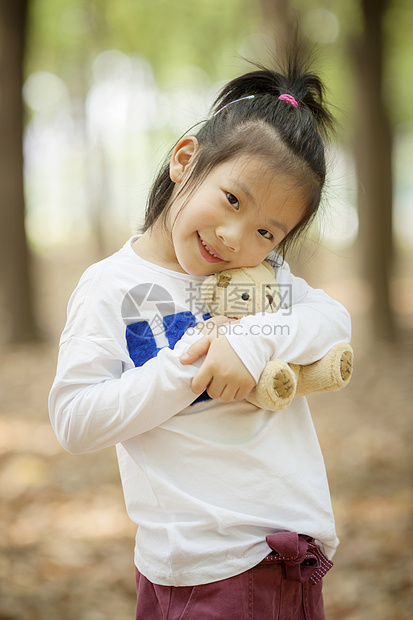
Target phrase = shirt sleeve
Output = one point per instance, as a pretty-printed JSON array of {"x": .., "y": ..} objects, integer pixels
[
  {"x": 93, "y": 404},
  {"x": 98, "y": 398},
  {"x": 306, "y": 326}
]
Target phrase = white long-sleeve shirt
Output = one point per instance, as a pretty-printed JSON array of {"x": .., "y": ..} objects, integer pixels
[{"x": 205, "y": 481}]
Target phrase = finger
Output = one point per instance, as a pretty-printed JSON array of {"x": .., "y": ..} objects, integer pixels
[
  {"x": 241, "y": 395},
  {"x": 215, "y": 388},
  {"x": 196, "y": 350},
  {"x": 245, "y": 390},
  {"x": 201, "y": 381},
  {"x": 228, "y": 394}
]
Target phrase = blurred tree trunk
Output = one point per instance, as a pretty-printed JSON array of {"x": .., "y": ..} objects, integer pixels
[
  {"x": 279, "y": 22},
  {"x": 373, "y": 149},
  {"x": 17, "y": 322}
]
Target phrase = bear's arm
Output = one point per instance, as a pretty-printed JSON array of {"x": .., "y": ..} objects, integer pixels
[{"x": 307, "y": 325}]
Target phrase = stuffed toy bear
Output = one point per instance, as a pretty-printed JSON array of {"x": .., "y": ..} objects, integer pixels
[{"x": 238, "y": 292}]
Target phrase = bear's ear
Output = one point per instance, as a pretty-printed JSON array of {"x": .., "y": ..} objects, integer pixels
[
  {"x": 223, "y": 280},
  {"x": 268, "y": 266},
  {"x": 209, "y": 289}
]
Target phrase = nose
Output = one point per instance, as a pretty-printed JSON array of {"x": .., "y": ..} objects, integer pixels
[{"x": 231, "y": 236}]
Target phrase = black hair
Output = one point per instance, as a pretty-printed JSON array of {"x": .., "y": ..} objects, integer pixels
[{"x": 249, "y": 118}]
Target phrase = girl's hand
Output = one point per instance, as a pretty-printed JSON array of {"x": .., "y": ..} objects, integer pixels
[
  {"x": 222, "y": 374},
  {"x": 210, "y": 327}
]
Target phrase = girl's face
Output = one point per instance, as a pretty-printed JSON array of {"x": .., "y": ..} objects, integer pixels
[{"x": 239, "y": 213}]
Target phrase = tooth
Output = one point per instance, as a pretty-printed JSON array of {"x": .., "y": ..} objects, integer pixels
[{"x": 207, "y": 249}]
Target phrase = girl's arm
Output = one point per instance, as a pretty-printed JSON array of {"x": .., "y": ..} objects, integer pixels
[
  {"x": 98, "y": 397},
  {"x": 94, "y": 403}
]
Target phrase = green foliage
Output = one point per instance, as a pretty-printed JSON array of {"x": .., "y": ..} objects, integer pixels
[
  {"x": 64, "y": 37},
  {"x": 169, "y": 33}
]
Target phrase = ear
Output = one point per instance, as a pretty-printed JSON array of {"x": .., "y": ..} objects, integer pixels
[
  {"x": 183, "y": 155},
  {"x": 268, "y": 266},
  {"x": 208, "y": 289}
]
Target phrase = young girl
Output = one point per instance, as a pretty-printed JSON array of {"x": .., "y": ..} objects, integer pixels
[{"x": 232, "y": 502}]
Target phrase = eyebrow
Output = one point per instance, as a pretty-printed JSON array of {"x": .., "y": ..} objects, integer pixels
[
  {"x": 279, "y": 225},
  {"x": 246, "y": 191}
]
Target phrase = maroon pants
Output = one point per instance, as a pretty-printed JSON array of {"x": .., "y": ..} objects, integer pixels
[{"x": 286, "y": 585}]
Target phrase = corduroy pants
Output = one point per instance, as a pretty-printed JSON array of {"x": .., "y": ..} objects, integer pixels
[{"x": 286, "y": 585}]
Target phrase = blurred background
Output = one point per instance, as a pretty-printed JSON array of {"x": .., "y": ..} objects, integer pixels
[{"x": 93, "y": 93}]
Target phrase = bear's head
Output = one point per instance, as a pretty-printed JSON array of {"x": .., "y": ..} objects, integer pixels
[{"x": 238, "y": 292}]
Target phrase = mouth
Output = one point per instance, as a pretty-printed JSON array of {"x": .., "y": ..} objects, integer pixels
[{"x": 208, "y": 252}]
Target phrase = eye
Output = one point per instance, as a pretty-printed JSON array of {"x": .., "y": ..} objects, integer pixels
[
  {"x": 233, "y": 200},
  {"x": 265, "y": 233}
]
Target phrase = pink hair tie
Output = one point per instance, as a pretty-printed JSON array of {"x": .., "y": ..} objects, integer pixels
[{"x": 289, "y": 99}]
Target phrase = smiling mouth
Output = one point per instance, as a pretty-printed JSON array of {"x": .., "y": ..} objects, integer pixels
[{"x": 208, "y": 249}]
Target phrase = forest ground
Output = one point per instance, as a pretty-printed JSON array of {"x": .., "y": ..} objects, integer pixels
[{"x": 66, "y": 543}]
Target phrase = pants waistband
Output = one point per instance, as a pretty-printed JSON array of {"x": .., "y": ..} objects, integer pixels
[{"x": 301, "y": 555}]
